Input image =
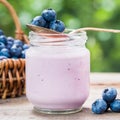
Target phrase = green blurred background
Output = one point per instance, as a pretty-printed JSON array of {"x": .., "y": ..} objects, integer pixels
[{"x": 104, "y": 47}]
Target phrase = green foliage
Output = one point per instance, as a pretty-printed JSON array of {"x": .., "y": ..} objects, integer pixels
[{"x": 104, "y": 47}]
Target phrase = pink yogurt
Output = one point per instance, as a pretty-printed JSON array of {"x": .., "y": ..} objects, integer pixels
[{"x": 57, "y": 78}]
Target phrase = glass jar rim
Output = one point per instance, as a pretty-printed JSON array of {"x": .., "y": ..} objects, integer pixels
[
  {"x": 58, "y": 39},
  {"x": 66, "y": 32}
]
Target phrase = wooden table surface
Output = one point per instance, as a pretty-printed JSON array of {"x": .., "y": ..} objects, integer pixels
[{"x": 21, "y": 109}]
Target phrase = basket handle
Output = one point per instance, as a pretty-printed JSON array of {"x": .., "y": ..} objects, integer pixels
[{"x": 19, "y": 34}]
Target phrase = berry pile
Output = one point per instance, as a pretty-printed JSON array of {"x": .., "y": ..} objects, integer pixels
[
  {"x": 108, "y": 101},
  {"x": 47, "y": 19},
  {"x": 11, "y": 48}
]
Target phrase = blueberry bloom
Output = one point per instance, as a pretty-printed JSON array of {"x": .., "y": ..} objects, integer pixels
[
  {"x": 57, "y": 26},
  {"x": 99, "y": 106},
  {"x": 109, "y": 94},
  {"x": 115, "y": 105},
  {"x": 39, "y": 21},
  {"x": 49, "y": 14}
]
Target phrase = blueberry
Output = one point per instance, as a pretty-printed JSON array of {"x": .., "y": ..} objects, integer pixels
[
  {"x": 15, "y": 51},
  {"x": 23, "y": 54},
  {"x": 99, "y": 106},
  {"x": 9, "y": 45},
  {"x": 49, "y": 14},
  {"x": 47, "y": 25},
  {"x": 25, "y": 46},
  {"x": 57, "y": 26},
  {"x": 2, "y": 57},
  {"x": 5, "y": 52},
  {"x": 2, "y": 45},
  {"x": 10, "y": 39},
  {"x": 14, "y": 57},
  {"x": 109, "y": 94},
  {"x": 1, "y": 32},
  {"x": 39, "y": 21},
  {"x": 10, "y": 42},
  {"x": 19, "y": 43},
  {"x": 3, "y": 39},
  {"x": 115, "y": 105}
]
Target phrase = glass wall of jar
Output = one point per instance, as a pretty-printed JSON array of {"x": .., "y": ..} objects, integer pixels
[{"x": 57, "y": 72}]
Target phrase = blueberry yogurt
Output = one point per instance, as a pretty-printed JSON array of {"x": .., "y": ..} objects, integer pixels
[
  {"x": 57, "y": 69},
  {"x": 57, "y": 74}
]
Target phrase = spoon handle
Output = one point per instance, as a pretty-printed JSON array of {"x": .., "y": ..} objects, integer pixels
[{"x": 95, "y": 29}]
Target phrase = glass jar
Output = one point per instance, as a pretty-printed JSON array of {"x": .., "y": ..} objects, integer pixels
[{"x": 57, "y": 72}]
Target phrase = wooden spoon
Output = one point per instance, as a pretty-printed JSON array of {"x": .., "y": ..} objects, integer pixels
[
  {"x": 41, "y": 29},
  {"x": 48, "y": 33}
]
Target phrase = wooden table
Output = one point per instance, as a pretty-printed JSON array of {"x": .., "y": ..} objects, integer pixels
[{"x": 21, "y": 109}]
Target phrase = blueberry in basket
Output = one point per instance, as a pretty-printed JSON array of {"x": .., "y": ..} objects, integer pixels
[
  {"x": 15, "y": 50},
  {"x": 2, "y": 57},
  {"x": 48, "y": 19},
  {"x": 25, "y": 47},
  {"x": 5, "y": 52},
  {"x": 11, "y": 48},
  {"x": 10, "y": 42},
  {"x": 2, "y": 45},
  {"x": 3, "y": 39},
  {"x": 19, "y": 43}
]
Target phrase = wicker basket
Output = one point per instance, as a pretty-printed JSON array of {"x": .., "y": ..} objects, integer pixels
[{"x": 12, "y": 72}]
